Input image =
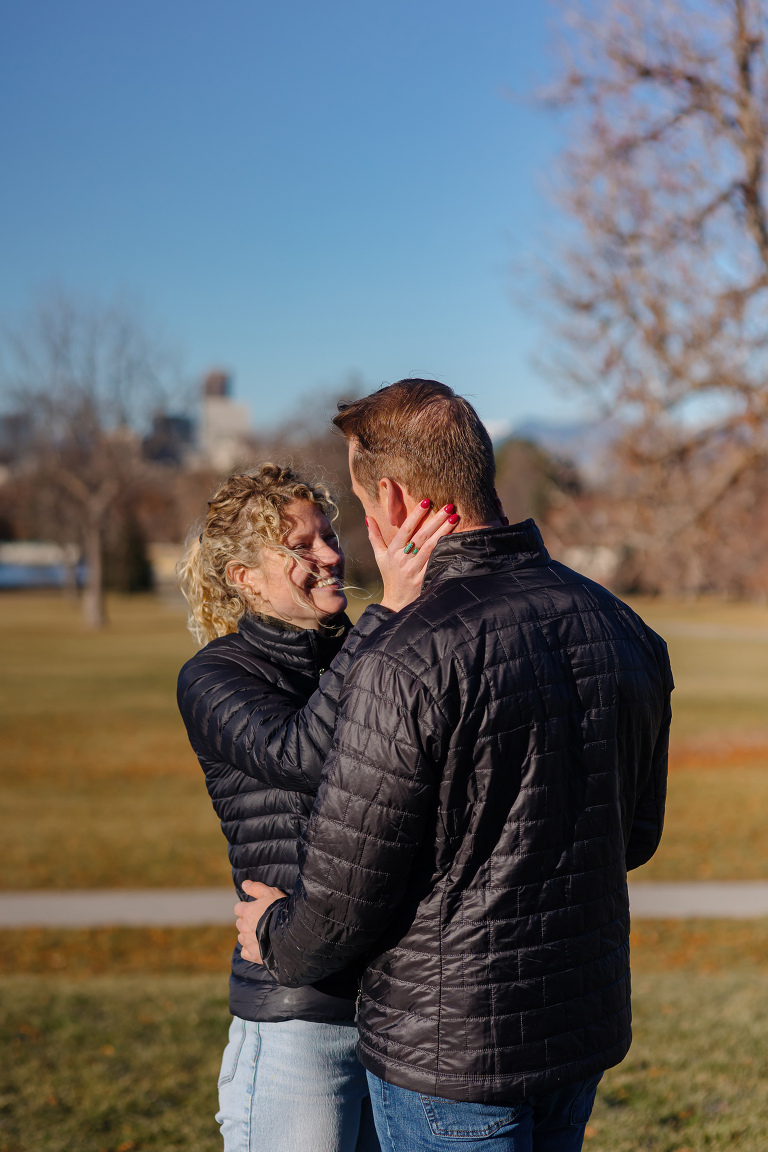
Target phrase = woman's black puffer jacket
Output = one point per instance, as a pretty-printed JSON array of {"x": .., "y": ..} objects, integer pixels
[{"x": 259, "y": 707}]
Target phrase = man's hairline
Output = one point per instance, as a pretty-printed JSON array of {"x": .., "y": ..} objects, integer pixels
[{"x": 352, "y": 441}]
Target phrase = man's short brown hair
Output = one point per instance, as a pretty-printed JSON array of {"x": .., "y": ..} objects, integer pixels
[{"x": 424, "y": 436}]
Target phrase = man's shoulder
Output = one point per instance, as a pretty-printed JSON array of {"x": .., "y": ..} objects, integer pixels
[
  {"x": 457, "y": 617},
  {"x": 449, "y": 615},
  {"x": 595, "y": 615}
]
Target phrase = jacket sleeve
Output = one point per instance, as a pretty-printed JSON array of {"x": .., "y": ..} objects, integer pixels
[
  {"x": 648, "y": 819},
  {"x": 378, "y": 791},
  {"x": 251, "y": 725}
]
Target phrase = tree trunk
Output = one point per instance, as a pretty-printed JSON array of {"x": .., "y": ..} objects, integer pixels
[
  {"x": 70, "y": 589},
  {"x": 94, "y": 608}
]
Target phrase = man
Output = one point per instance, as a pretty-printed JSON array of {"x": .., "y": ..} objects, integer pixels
[{"x": 499, "y": 762}]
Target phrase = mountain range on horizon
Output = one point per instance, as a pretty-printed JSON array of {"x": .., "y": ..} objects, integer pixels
[{"x": 582, "y": 443}]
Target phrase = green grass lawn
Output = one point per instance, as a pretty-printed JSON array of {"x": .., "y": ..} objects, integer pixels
[
  {"x": 142, "y": 1060},
  {"x": 696, "y": 1076},
  {"x": 142, "y": 1056}
]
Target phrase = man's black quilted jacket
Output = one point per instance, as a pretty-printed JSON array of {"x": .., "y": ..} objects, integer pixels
[
  {"x": 499, "y": 762},
  {"x": 261, "y": 727}
]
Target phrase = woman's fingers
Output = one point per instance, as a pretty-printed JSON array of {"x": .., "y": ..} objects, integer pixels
[
  {"x": 435, "y": 525},
  {"x": 424, "y": 534},
  {"x": 412, "y": 530},
  {"x": 442, "y": 524},
  {"x": 402, "y": 564},
  {"x": 256, "y": 889},
  {"x": 408, "y": 527}
]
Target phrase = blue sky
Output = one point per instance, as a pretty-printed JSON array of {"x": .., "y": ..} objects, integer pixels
[{"x": 298, "y": 191}]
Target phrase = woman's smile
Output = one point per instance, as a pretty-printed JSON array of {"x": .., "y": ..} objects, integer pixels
[{"x": 327, "y": 582}]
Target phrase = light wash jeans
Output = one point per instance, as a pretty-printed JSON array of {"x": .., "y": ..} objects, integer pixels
[
  {"x": 294, "y": 1086},
  {"x": 412, "y": 1122}
]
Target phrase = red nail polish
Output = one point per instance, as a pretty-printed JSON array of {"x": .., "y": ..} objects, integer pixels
[
  {"x": 453, "y": 519},
  {"x": 448, "y": 508},
  {"x": 366, "y": 521},
  {"x": 426, "y": 503}
]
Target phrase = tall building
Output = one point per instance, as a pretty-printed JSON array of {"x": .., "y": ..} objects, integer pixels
[
  {"x": 171, "y": 439},
  {"x": 225, "y": 424}
]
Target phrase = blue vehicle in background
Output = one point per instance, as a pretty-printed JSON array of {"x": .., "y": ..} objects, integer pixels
[{"x": 39, "y": 564}]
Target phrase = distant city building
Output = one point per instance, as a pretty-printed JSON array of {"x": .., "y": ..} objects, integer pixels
[
  {"x": 225, "y": 424},
  {"x": 15, "y": 435},
  {"x": 171, "y": 439}
]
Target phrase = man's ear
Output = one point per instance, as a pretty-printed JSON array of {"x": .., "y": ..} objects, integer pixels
[{"x": 392, "y": 500}]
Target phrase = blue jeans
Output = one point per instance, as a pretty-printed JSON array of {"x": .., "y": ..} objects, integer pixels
[
  {"x": 294, "y": 1086},
  {"x": 411, "y": 1122}
]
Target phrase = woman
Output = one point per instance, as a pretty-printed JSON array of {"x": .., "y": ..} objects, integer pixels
[{"x": 265, "y": 585}]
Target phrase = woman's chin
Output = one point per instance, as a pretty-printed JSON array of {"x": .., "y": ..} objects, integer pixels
[{"x": 329, "y": 601}]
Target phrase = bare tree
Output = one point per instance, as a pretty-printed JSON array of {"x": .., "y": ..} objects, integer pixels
[
  {"x": 82, "y": 376},
  {"x": 664, "y": 285}
]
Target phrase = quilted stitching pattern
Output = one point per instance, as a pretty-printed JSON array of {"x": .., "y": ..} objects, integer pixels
[
  {"x": 499, "y": 762},
  {"x": 260, "y": 718}
]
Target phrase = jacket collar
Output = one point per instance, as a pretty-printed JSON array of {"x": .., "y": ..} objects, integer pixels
[
  {"x": 487, "y": 550},
  {"x": 304, "y": 649}
]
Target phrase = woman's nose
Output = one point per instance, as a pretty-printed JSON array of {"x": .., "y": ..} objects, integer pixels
[{"x": 328, "y": 555}]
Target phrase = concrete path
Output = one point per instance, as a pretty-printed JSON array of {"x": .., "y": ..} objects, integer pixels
[
  {"x": 142, "y": 907},
  {"x": 183, "y": 907},
  {"x": 718, "y": 899}
]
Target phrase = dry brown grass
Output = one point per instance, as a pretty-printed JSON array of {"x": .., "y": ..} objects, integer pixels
[
  {"x": 80, "y": 953},
  {"x": 719, "y": 654},
  {"x": 715, "y": 826},
  {"x": 702, "y": 946},
  {"x": 99, "y": 785},
  {"x": 100, "y": 788},
  {"x": 657, "y": 946}
]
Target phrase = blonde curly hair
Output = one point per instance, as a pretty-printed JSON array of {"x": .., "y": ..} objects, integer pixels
[{"x": 246, "y": 514}]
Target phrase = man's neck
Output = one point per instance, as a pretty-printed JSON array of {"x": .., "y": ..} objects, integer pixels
[{"x": 476, "y": 527}]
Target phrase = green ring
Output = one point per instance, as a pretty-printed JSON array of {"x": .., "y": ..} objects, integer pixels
[{"x": 409, "y": 547}]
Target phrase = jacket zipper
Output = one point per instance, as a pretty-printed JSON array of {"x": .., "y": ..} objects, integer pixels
[{"x": 315, "y": 652}]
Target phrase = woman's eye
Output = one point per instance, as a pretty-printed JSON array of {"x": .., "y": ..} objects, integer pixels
[{"x": 307, "y": 548}]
